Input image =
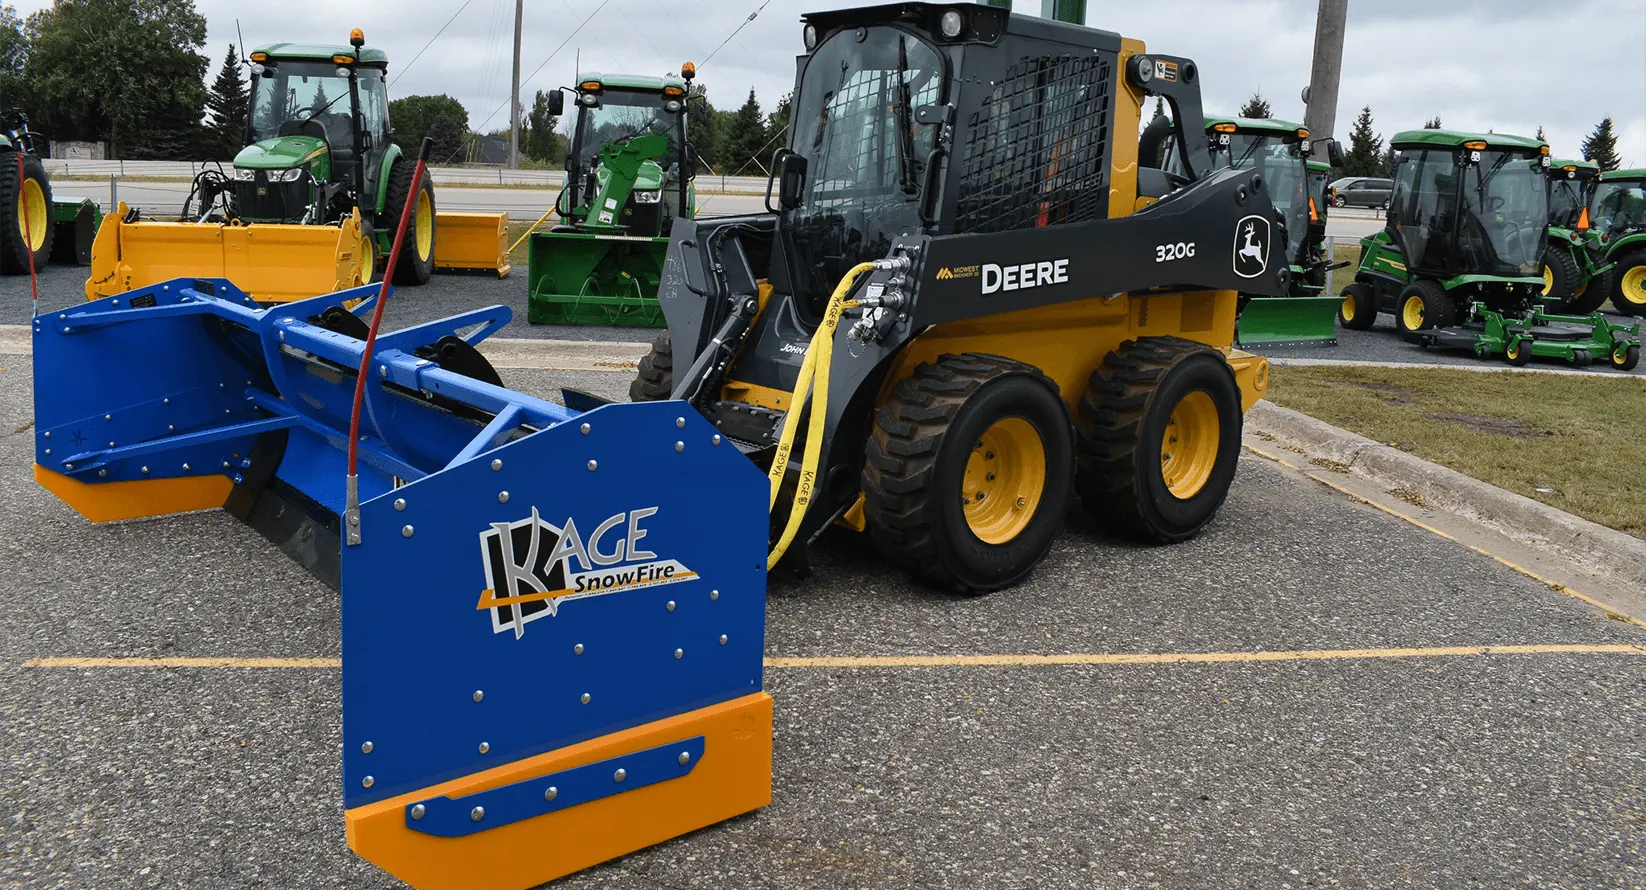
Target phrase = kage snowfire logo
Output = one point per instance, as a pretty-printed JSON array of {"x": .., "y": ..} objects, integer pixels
[{"x": 533, "y": 567}]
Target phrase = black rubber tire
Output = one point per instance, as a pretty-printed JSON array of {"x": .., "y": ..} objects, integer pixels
[
  {"x": 1567, "y": 276},
  {"x": 1439, "y": 311},
  {"x": 411, "y": 269},
  {"x": 1628, "y": 359},
  {"x": 915, "y": 461},
  {"x": 1518, "y": 354},
  {"x": 1626, "y": 262},
  {"x": 14, "y": 251},
  {"x": 1594, "y": 295},
  {"x": 1365, "y": 308},
  {"x": 654, "y": 377},
  {"x": 1119, "y": 425},
  {"x": 1580, "y": 358}
]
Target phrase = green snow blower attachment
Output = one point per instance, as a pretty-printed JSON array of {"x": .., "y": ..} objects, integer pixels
[
  {"x": 1280, "y": 150},
  {"x": 627, "y": 181}
]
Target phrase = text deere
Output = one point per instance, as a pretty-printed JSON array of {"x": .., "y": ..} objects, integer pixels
[{"x": 1024, "y": 275}]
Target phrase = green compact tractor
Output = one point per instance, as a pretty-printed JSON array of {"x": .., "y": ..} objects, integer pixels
[
  {"x": 628, "y": 178},
  {"x": 1617, "y": 217},
  {"x": 1280, "y": 150},
  {"x": 1574, "y": 264},
  {"x": 1459, "y": 262}
]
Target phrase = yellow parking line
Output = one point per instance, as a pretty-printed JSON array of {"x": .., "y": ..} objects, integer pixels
[
  {"x": 915, "y": 661},
  {"x": 1510, "y": 564}
]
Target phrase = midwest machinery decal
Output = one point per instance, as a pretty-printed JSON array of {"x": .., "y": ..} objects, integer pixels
[{"x": 533, "y": 567}]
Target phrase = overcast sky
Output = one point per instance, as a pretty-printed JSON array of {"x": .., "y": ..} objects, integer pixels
[{"x": 1510, "y": 65}]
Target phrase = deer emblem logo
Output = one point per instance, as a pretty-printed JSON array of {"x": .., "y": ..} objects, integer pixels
[{"x": 1251, "y": 247}]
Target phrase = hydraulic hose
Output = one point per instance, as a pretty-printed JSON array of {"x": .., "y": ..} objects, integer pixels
[
  {"x": 351, "y": 514},
  {"x": 814, "y": 375}
]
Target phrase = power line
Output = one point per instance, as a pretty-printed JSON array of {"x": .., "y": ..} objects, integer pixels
[
  {"x": 430, "y": 43},
  {"x": 740, "y": 27}
]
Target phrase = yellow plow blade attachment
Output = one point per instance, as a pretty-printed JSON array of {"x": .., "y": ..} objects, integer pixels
[
  {"x": 472, "y": 242},
  {"x": 273, "y": 263}
]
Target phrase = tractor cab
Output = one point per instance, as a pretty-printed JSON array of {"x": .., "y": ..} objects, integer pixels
[
  {"x": 1571, "y": 183},
  {"x": 317, "y": 133},
  {"x": 1618, "y": 205},
  {"x": 1280, "y": 150},
  {"x": 1470, "y": 205},
  {"x": 628, "y": 166}
]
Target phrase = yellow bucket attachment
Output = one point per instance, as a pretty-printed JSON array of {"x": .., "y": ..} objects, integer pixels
[
  {"x": 470, "y": 242},
  {"x": 274, "y": 263}
]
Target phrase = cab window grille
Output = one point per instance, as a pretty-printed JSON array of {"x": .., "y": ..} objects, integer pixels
[{"x": 1036, "y": 153}]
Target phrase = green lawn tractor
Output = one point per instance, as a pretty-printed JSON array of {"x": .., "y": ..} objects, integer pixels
[
  {"x": 628, "y": 178},
  {"x": 1617, "y": 217},
  {"x": 313, "y": 199},
  {"x": 54, "y": 228},
  {"x": 1459, "y": 262},
  {"x": 1280, "y": 150},
  {"x": 1574, "y": 264}
]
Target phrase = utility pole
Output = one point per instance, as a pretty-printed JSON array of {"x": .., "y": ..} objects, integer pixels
[
  {"x": 514, "y": 92},
  {"x": 1320, "y": 99}
]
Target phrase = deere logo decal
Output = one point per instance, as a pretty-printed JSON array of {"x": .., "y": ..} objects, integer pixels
[
  {"x": 1024, "y": 276},
  {"x": 533, "y": 567},
  {"x": 948, "y": 273}
]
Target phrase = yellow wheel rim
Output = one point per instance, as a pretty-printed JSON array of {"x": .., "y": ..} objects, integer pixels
[
  {"x": 1348, "y": 308},
  {"x": 1548, "y": 280},
  {"x": 1513, "y": 351},
  {"x": 31, "y": 214},
  {"x": 1581, "y": 289},
  {"x": 1005, "y": 476},
  {"x": 425, "y": 226},
  {"x": 1188, "y": 448},
  {"x": 1634, "y": 285},
  {"x": 368, "y": 259},
  {"x": 1411, "y": 312}
]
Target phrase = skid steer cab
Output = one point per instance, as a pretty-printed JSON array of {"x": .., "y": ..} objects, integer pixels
[
  {"x": 311, "y": 203},
  {"x": 628, "y": 178},
  {"x": 967, "y": 305},
  {"x": 1459, "y": 262}
]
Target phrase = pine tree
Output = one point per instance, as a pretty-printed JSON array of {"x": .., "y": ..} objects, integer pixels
[
  {"x": 777, "y": 123},
  {"x": 1601, "y": 146},
  {"x": 228, "y": 105},
  {"x": 1256, "y": 107},
  {"x": 703, "y": 129},
  {"x": 1159, "y": 109},
  {"x": 542, "y": 142},
  {"x": 1432, "y": 123},
  {"x": 1365, "y": 155},
  {"x": 745, "y": 137},
  {"x": 1388, "y": 163},
  {"x": 1540, "y": 136}
]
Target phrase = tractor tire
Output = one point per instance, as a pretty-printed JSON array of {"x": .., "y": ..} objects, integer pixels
[
  {"x": 1629, "y": 283},
  {"x": 1146, "y": 396},
  {"x": 1359, "y": 309},
  {"x": 28, "y": 199},
  {"x": 967, "y": 474},
  {"x": 1593, "y": 294},
  {"x": 1424, "y": 304},
  {"x": 1627, "y": 358},
  {"x": 416, "y": 263},
  {"x": 654, "y": 378},
  {"x": 1561, "y": 277}
]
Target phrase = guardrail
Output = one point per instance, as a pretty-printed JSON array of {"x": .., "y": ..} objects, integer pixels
[{"x": 60, "y": 168}]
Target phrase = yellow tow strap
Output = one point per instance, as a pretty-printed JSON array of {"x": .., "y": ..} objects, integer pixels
[{"x": 814, "y": 373}]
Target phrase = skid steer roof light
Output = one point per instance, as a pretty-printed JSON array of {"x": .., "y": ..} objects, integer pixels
[
  {"x": 810, "y": 37},
  {"x": 952, "y": 24},
  {"x": 1476, "y": 145}
]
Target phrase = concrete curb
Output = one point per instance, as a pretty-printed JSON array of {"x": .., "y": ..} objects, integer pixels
[{"x": 1531, "y": 523}]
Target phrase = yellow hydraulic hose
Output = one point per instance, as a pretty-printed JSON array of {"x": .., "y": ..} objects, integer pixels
[
  {"x": 530, "y": 230},
  {"x": 814, "y": 373}
]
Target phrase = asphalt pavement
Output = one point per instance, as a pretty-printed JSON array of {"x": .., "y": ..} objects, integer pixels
[{"x": 1377, "y": 766}]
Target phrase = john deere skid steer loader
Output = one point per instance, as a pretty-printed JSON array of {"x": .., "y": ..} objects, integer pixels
[
  {"x": 628, "y": 178},
  {"x": 971, "y": 304},
  {"x": 1459, "y": 263},
  {"x": 312, "y": 199}
]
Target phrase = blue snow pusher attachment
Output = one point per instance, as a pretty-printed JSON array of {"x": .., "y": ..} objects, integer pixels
[{"x": 551, "y": 657}]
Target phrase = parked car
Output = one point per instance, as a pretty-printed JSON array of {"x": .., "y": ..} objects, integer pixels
[{"x": 1360, "y": 191}]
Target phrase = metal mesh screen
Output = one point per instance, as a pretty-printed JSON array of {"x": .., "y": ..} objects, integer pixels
[{"x": 1036, "y": 153}]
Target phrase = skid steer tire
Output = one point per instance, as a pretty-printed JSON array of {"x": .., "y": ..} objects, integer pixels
[
  {"x": 34, "y": 191},
  {"x": 1422, "y": 305},
  {"x": 1359, "y": 309},
  {"x": 1561, "y": 276},
  {"x": 654, "y": 377},
  {"x": 1144, "y": 394},
  {"x": 415, "y": 267},
  {"x": 959, "y": 426}
]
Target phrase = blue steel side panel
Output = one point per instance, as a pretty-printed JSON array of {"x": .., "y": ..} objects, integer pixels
[
  {"x": 419, "y": 647},
  {"x": 497, "y": 807}
]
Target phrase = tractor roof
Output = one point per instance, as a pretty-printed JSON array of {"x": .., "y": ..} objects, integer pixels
[
  {"x": 1319, "y": 167},
  {"x": 631, "y": 81},
  {"x": 321, "y": 52},
  {"x": 1456, "y": 138},
  {"x": 1616, "y": 175},
  {"x": 1258, "y": 125}
]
